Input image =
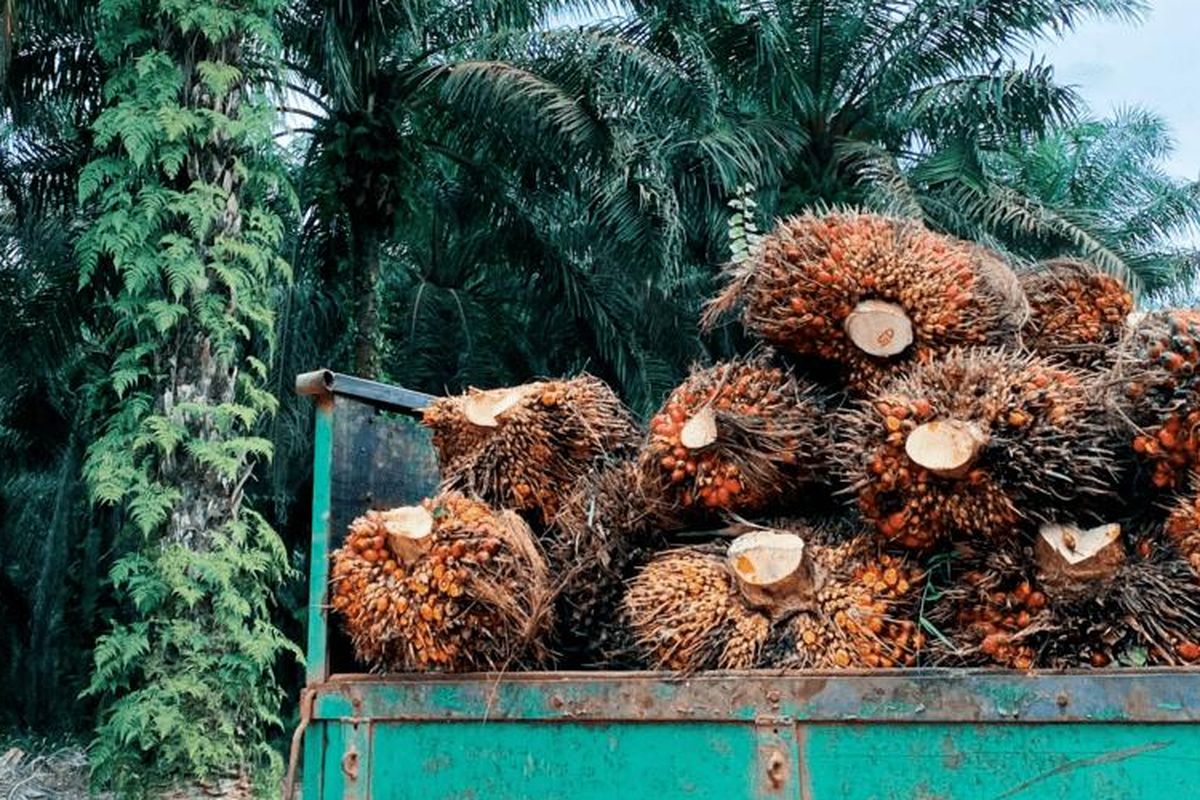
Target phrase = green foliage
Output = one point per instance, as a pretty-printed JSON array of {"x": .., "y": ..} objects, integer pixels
[
  {"x": 189, "y": 714},
  {"x": 186, "y": 235}
]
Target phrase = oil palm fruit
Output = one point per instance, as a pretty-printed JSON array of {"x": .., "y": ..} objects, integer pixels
[
  {"x": 774, "y": 598},
  {"x": 523, "y": 447},
  {"x": 1158, "y": 383},
  {"x": 1074, "y": 598},
  {"x": 870, "y": 294},
  {"x": 976, "y": 442},
  {"x": 861, "y": 611},
  {"x": 605, "y": 529},
  {"x": 1076, "y": 312},
  {"x": 448, "y": 585},
  {"x": 740, "y": 436},
  {"x": 684, "y": 613}
]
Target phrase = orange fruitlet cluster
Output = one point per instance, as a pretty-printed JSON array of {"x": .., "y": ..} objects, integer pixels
[
  {"x": 862, "y": 615},
  {"x": 685, "y": 613},
  {"x": 477, "y": 599},
  {"x": 1183, "y": 529},
  {"x": 769, "y": 439},
  {"x": 813, "y": 270},
  {"x": 539, "y": 445},
  {"x": 1046, "y": 447},
  {"x": 1077, "y": 313},
  {"x": 995, "y": 621},
  {"x": 1163, "y": 391}
]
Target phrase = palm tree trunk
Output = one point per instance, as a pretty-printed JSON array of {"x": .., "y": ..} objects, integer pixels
[{"x": 366, "y": 256}]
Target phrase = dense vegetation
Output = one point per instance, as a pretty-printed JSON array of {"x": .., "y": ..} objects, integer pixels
[{"x": 466, "y": 193}]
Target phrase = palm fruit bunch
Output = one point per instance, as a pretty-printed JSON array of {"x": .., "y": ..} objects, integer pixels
[
  {"x": 684, "y": 613},
  {"x": 604, "y": 530},
  {"x": 1075, "y": 598},
  {"x": 448, "y": 585},
  {"x": 861, "y": 613},
  {"x": 870, "y": 293},
  {"x": 523, "y": 447},
  {"x": 1161, "y": 389},
  {"x": 740, "y": 436},
  {"x": 1183, "y": 527},
  {"x": 1076, "y": 312},
  {"x": 973, "y": 444}
]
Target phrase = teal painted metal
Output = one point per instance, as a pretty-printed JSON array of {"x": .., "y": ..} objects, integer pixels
[
  {"x": 316, "y": 668},
  {"x": 902, "y": 735}
]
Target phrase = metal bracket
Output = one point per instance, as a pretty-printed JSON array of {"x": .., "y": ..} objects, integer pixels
[{"x": 776, "y": 774}]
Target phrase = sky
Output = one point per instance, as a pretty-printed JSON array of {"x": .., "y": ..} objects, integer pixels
[{"x": 1154, "y": 64}]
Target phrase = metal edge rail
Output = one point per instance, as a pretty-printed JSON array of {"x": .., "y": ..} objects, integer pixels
[
  {"x": 380, "y": 395},
  {"x": 919, "y": 696}
]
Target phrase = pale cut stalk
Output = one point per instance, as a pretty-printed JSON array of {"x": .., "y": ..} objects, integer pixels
[
  {"x": 879, "y": 328},
  {"x": 409, "y": 532},
  {"x": 773, "y": 570},
  {"x": 947, "y": 448}
]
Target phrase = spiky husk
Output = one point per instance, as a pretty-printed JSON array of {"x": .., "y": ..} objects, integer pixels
[
  {"x": 988, "y": 611},
  {"x": 813, "y": 270},
  {"x": 478, "y": 599},
  {"x": 771, "y": 441},
  {"x": 1076, "y": 312},
  {"x": 539, "y": 447},
  {"x": 1049, "y": 447},
  {"x": 996, "y": 612},
  {"x": 863, "y": 612},
  {"x": 1159, "y": 384},
  {"x": 685, "y": 613},
  {"x": 604, "y": 530},
  {"x": 1183, "y": 526}
]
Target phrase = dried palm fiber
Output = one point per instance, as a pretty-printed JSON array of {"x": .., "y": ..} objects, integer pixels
[
  {"x": 1159, "y": 389},
  {"x": 1076, "y": 312},
  {"x": 604, "y": 531},
  {"x": 524, "y": 447},
  {"x": 860, "y": 611},
  {"x": 1075, "y": 597},
  {"x": 448, "y": 585},
  {"x": 740, "y": 436},
  {"x": 685, "y": 613},
  {"x": 975, "y": 442},
  {"x": 871, "y": 293}
]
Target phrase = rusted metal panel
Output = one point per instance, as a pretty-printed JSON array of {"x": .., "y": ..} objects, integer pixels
[{"x": 936, "y": 695}]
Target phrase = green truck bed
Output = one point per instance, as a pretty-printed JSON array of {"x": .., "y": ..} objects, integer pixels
[{"x": 883, "y": 735}]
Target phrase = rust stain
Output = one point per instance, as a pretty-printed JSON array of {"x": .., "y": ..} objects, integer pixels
[
  {"x": 952, "y": 757},
  {"x": 350, "y": 765},
  {"x": 1079, "y": 763}
]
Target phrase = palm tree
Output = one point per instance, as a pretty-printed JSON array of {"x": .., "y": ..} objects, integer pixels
[
  {"x": 871, "y": 85},
  {"x": 49, "y": 540},
  {"x": 1097, "y": 188}
]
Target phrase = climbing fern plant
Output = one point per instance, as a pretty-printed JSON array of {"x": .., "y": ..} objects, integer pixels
[{"x": 185, "y": 246}]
